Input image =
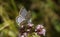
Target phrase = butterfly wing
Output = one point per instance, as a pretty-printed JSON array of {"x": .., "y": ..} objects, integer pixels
[
  {"x": 19, "y": 19},
  {"x": 22, "y": 15},
  {"x": 23, "y": 12}
]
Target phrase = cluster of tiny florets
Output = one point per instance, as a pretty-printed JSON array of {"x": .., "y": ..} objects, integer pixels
[{"x": 29, "y": 28}]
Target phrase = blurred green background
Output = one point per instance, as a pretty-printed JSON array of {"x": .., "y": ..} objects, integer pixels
[{"x": 45, "y": 12}]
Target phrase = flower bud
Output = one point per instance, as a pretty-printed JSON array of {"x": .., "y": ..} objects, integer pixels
[
  {"x": 39, "y": 26},
  {"x": 22, "y": 26},
  {"x": 28, "y": 30},
  {"x": 25, "y": 34},
  {"x": 30, "y": 25},
  {"x": 22, "y": 36}
]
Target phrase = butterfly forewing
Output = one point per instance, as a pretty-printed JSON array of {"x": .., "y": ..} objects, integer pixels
[{"x": 23, "y": 12}]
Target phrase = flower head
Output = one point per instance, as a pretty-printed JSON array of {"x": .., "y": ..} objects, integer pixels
[{"x": 40, "y": 30}]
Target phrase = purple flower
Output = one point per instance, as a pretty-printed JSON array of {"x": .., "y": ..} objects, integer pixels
[{"x": 40, "y": 30}]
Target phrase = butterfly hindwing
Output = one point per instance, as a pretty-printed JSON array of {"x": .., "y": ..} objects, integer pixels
[{"x": 19, "y": 19}]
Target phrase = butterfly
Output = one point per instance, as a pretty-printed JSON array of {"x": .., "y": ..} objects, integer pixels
[{"x": 23, "y": 15}]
